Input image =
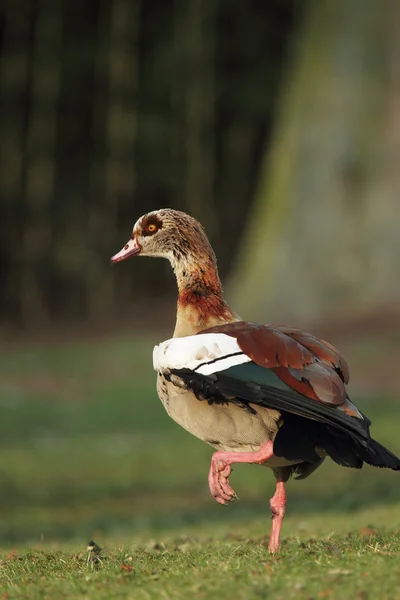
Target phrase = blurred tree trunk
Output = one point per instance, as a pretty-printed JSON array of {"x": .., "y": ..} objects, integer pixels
[
  {"x": 195, "y": 34},
  {"x": 114, "y": 134},
  {"x": 39, "y": 154},
  {"x": 15, "y": 52},
  {"x": 235, "y": 184},
  {"x": 177, "y": 94},
  {"x": 323, "y": 240}
]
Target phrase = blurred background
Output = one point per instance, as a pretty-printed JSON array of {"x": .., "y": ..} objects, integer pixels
[{"x": 277, "y": 125}]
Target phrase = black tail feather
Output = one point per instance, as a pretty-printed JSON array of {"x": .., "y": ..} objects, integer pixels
[
  {"x": 298, "y": 438},
  {"x": 350, "y": 452},
  {"x": 378, "y": 456}
]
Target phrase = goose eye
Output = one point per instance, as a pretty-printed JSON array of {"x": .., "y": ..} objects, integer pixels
[{"x": 152, "y": 228}]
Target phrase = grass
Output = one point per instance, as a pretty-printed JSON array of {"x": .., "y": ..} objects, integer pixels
[
  {"x": 215, "y": 563},
  {"x": 87, "y": 452}
]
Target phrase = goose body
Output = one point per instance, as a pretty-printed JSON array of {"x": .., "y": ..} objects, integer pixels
[
  {"x": 222, "y": 426},
  {"x": 266, "y": 394}
]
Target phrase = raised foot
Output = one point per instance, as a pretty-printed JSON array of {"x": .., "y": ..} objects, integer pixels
[
  {"x": 221, "y": 469},
  {"x": 218, "y": 481}
]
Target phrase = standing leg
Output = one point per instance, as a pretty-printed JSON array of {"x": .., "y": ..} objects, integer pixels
[{"x": 278, "y": 504}]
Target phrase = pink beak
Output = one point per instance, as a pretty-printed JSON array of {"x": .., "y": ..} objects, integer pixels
[{"x": 130, "y": 249}]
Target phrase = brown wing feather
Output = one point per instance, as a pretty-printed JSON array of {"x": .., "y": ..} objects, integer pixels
[
  {"x": 315, "y": 381},
  {"x": 271, "y": 348},
  {"x": 321, "y": 349},
  {"x": 305, "y": 363}
]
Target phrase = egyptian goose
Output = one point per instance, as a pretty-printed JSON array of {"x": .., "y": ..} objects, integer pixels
[{"x": 266, "y": 394}]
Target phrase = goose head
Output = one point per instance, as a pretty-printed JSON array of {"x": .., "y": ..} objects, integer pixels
[
  {"x": 178, "y": 237},
  {"x": 169, "y": 234}
]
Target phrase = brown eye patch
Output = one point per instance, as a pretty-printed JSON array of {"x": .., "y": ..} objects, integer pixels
[{"x": 151, "y": 225}]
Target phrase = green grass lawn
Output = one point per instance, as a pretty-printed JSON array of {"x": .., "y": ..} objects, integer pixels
[{"x": 87, "y": 452}]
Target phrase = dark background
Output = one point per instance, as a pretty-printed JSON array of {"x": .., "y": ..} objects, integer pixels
[{"x": 111, "y": 109}]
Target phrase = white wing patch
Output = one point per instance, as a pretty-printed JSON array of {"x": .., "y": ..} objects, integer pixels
[{"x": 205, "y": 353}]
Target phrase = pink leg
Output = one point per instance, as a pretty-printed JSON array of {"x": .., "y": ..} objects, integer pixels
[
  {"x": 278, "y": 504},
  {"x": 221, "y": 469}
]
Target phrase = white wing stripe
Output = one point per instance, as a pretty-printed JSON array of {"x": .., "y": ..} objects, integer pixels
[
  {"x": 204, "y": 353},
  {"x": 222, "y": 363}
]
